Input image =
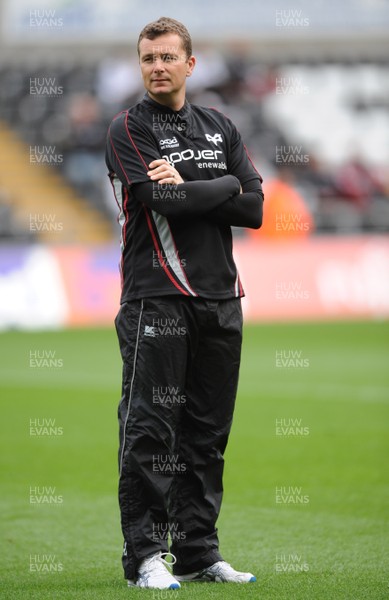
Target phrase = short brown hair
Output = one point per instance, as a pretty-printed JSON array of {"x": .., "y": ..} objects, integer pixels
[{"x": 167, "y": 25}]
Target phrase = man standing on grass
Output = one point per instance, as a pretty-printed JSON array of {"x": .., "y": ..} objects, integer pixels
[{"x": 181, "y": 177}]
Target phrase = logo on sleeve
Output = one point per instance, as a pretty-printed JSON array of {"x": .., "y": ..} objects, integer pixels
[{"x": 215, "y": 139}]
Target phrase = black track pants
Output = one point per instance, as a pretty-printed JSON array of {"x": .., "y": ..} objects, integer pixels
[{"x": 180, "y": 372}]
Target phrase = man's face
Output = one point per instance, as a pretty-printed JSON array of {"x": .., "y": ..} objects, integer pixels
[{"x": 164, "y": 65}]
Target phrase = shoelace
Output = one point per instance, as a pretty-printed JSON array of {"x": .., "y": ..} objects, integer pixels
[{"x": 161, "y": 560}]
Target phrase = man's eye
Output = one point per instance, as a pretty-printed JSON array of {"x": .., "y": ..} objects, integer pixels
[{"x": 168, "y": 58}]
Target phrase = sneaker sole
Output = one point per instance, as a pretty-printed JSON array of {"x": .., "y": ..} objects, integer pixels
[
  {"x": 194, "y": 579},
  {"x": 172, "y": 586}
]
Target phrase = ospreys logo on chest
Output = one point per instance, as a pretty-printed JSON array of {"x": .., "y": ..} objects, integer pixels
[{"x": 215, "y": 139}]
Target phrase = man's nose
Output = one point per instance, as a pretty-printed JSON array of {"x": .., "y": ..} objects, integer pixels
[{"x": 159, "y": 65}]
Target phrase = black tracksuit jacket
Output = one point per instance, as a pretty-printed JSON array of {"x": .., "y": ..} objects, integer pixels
[{"x": 177, "y": 239}]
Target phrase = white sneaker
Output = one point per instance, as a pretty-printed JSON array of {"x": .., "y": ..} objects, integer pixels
[
  {"x": 153, "y": 573},
  {"x": 219, "y": 572}
]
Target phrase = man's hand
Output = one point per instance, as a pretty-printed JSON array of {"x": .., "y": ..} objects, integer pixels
[{"x": 163, "y": 172}]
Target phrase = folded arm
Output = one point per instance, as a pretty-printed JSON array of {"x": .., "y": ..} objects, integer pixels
[
  {"x": 169, "y": 195},
  {"x": 190, "y": 198},
  {"x": 242, "y": 210}
]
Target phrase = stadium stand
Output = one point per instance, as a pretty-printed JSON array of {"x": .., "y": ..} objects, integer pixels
[{"x": 42, "y": 203}]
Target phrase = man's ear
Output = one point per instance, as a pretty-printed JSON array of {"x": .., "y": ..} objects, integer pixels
[{"x": 191, "y": 65}]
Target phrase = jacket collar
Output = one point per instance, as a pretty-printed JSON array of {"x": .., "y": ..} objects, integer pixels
[
  {"x": 184, "y": 112},
  {"x": 182, "y": 121}
]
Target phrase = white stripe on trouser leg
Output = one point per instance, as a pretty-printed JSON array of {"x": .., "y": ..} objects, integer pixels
[{"x": 131, "y": 386}]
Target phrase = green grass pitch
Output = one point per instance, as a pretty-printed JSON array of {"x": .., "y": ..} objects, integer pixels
[{"x": 306, "y": 476}]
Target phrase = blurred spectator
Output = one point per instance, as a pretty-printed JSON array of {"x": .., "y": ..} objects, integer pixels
[
  {"x": 117, "y": 83},
  {"x": 211, "y": 70},
  {"x": 356, "y": 183},
  {"x": 285, "y": 213},
  {"x": 261, "y": 80},
  {"x": 317, "y": 176},
  {"x": 84, "y": 163},
  {"x": 10, "y": 230}
]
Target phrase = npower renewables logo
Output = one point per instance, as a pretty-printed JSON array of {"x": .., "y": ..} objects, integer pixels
[{"x": 189, "y": 154}]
